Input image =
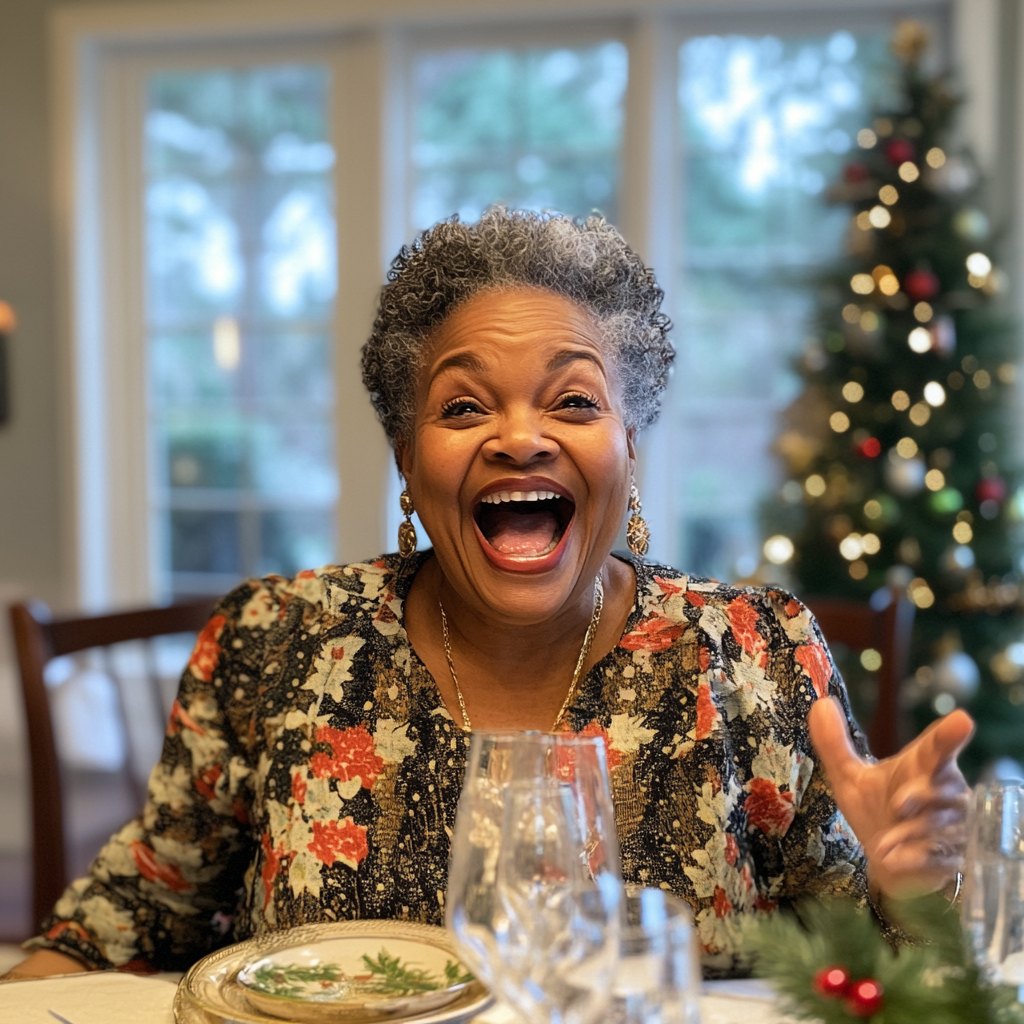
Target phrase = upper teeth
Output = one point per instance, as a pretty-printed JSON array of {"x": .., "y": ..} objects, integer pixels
[{"x": 500, "y": 496}]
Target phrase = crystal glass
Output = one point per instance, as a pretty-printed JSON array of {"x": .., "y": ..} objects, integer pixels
[
  {"x": 657, "y": 980},
  {"x": 534, "y": 888},
  {"x": 994, "y": 881}
]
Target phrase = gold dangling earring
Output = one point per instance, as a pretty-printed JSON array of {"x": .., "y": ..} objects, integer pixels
[
  {"x": 406, "y": 531},
  {"x": 637, "y": 533}
]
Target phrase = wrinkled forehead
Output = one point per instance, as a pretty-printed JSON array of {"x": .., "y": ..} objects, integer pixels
[{"x": 526, "y": 320}]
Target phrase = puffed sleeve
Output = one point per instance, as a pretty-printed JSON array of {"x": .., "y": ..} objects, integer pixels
[
  {"x": 163, "y": 890},
  {"x": 820, "y": 854}
]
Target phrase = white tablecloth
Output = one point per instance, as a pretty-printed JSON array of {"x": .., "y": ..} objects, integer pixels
[{"x": 113, "y": 998}]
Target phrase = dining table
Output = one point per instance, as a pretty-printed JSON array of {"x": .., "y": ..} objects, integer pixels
[{"x": 112, "y": 997}]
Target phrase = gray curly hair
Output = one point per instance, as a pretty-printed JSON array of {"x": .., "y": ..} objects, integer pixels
[{"x": 586, "y": 261}]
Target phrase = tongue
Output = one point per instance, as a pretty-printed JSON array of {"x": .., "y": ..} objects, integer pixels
[{"x": 521, "y": 533}]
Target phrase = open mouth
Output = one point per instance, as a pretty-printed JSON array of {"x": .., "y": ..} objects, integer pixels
[{"x": 524, "y": 524}]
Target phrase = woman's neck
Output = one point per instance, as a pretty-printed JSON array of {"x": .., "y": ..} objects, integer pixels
[{"x": 511, "y": 675}]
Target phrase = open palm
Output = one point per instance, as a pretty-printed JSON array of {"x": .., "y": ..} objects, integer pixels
[{"x": 909, "y": 812}]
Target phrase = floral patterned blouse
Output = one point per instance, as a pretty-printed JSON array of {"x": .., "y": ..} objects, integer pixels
[{"x": 311, "y": 771}]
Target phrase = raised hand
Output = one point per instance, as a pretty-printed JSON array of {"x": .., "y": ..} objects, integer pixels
[{"x": 910, "y": 810}]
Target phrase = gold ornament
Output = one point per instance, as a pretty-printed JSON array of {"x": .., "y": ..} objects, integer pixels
[
  {"x": 406, "y": 531},
  {"x": 637, "y": 533},
  {"x": 909, "y": 41}
]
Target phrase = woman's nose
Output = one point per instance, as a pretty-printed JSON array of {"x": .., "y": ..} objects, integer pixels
[{"x": 521, "y": 440}]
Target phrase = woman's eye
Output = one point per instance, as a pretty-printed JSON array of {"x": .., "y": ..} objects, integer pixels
[
  {"x": 459, "y": 407},
  {"x": 577, "y": 400}
]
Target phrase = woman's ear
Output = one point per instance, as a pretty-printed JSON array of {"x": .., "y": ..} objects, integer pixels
[{"x": 403, "y": 458}]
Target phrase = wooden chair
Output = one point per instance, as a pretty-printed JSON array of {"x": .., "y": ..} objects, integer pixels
[
  {"x": 859, "y": 626},
  {"x": 38, "y": 640}
]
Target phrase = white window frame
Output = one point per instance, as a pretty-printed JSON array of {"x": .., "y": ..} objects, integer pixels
[{"x": 107, "y": 534}]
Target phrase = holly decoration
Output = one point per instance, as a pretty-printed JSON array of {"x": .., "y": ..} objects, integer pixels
[
  {"x": 832, "y": 981},
  {"x": 831, "y": 963},
  {"x": 864, "y": 998}
]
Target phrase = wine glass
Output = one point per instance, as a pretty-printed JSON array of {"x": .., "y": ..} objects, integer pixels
[
  {"x": 557, "y": 940},
  {"x": 474, "y": 910},
  {"x": 658, "y": 977},
  {"x": 993, "y": 909}
]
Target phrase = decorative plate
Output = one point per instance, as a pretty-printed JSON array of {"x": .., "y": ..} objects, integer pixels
[{"x": 413, "y": 974}]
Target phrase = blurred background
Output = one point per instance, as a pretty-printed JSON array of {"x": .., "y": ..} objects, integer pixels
[{"x": 199, "y": 201}]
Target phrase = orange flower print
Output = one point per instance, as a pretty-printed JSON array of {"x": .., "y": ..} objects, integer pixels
[
  {"x": 179, "y": 719},
  {"x": 206, "y": 784},
  {"x": 723, "y": 905},
  {"x": 743, "y": 619},
  {"x": 151, "y": 867},
  {"x": 272, "y": 859},
  {"x": 732, "y": 848},
  {"x": 61, "y": 927},
  {"x": 339, "y": 840},
  {"x": 565, "y": 763},
  {"x": 814, "y": 660},
  {"x": 298, "y": 788},
  {"x": 707, "y": 713},
  {"x": 207, "y": 649},
  {"x": 768, "y": 809},
  {"x": 352, "y": 754},
  {"x": 793, "y": 608},
  {"x": 668, "y": 588},
  {"x": 697, "y": 600},
  {"x": 655, "y": 633}
]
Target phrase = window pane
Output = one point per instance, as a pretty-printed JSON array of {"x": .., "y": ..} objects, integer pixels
[
  {"x": 765, "y": 125},
  {"x": 241, "y": 277},
  {"x": 532, "y": 128}
]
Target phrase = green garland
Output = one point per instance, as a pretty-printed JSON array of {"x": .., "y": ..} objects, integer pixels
[{"x": 816, "y": 956}]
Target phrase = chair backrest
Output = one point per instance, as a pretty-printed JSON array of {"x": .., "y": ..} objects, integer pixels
[
  {"x": 859, "y": 627},
  {"x": 38, "y": 640}
]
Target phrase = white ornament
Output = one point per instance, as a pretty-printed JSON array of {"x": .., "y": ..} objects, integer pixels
[
  {"x": 905, "y": 477},
  {"x": 956, "y": 673}
]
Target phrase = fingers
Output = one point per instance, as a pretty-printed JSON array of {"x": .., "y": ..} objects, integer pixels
[
  {"x": 832, "y": 741},
  {"x": 921, "y": 794},
  {"x": 944, "y": 828}
]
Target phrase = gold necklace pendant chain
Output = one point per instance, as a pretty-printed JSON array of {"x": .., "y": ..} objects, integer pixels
[{"x": 588, "y": 641}]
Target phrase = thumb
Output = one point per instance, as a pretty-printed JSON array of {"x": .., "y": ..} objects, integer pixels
[
  {"x": 943, "y": 740},
  {"x": 832, "y": 741}
]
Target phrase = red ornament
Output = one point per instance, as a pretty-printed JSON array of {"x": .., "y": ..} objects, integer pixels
[
  {"x": 869, "y": 448},
  {"x": 855, "y": 173},
  {"x": 899, "y": 151},
  {"x": 992, "y": 488},
  {"x": 921, "y": 284},
  {"x": 832, "y": 982},
  {"x": 864, "y": 998}
]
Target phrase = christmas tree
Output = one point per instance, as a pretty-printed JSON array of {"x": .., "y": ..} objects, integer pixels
[{"x": 898, "y": 450}]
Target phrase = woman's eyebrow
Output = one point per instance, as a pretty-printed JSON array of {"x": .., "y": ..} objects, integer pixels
[
  {"x": 569, "y": 355},
  {"x": 458, "y": 361}
]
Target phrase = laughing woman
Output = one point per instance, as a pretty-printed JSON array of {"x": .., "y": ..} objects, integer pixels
[{"x": 316, "y": 750}]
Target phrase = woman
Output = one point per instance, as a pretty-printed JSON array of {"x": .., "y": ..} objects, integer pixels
[{"x": 316, "y": 751}]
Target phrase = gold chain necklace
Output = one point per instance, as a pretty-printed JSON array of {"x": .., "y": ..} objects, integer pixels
[{"x": 588, "y": 641}]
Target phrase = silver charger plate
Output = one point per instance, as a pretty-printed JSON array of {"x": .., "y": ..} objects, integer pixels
[{"x": 210, "y": 994}]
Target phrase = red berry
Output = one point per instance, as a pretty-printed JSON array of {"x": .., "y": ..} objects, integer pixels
[
  {"x": 855, "y": 173},
  {"x": 992, "y": 488},
  {"x": 832, "y": 982},
  {"x": 869, "y": 448},
  {"x": 921, "y": 284},
  {"x": 864, "y": 998},
  {"x": 899, "y": 151}
]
